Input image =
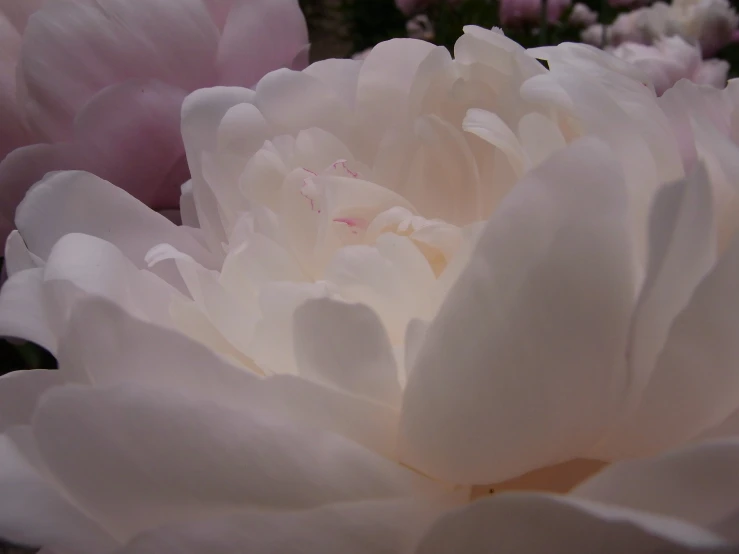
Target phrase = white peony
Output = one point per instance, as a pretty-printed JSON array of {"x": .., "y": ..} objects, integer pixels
[
  {"x": 404, "y": 283},
  {"x": 707, "y": 23},
  {"x": 671, "y": 59}
]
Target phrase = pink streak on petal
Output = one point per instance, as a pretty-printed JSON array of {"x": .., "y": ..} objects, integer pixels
[
  {"x": 357, "y": 222},
  {"x": 342, "y": 164}
]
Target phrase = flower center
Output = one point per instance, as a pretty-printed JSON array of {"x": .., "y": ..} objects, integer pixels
[{"x": 559, "y": 478}]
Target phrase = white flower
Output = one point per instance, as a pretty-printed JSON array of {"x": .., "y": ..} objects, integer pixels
[
  {"x": 708, "y": 23},
  {"x": 672, "y": 59},
  {"x": 582, "y": 15},
  {"x": 404, "y": 282}
]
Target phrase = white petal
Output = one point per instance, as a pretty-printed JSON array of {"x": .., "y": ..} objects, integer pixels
[
  {"x": 23, "y": 310},
  {"x": 699, "y": 485},
  {"x": 698, "y": 369},
  {"x": 294, "y": 100},
  {"x": 21, "y": 390},
  {"x": 202, "y": 112},
  {"x": 234, "y": 316},
  {"x": 340, "y": 75},
  {"x": 242, "y": 130},
  {"x": 540, "y": 137},
  {"x": 682, "y": 251},
  {"x": 491, "y": 128},
  {"x": 92, "y": 266},
  {"x": 272, "y": 342},
  {"x": 541, "y": 524},
  {"x": 78, "y": 202},
  {"x": 384, "y": 87},
  {"x": 346, "y": 346},
  {"x": 187, "y": 206},
  {"x": 517, "y": 353},
  {"x": 442, "y": 180},
  {"x": 17, "y": 256},
  {"x": 393, "y": 278},
  {"x": 105, "y": 345},
  {"x": 138, "y": 458},
  {"x": 371, "y": 527},
  {"x": 33, "y": 513}
]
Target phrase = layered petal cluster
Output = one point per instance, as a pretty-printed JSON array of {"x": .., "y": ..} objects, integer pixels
[
  {"x": 671, "y": 59},
  {"x": 100, "y": 84},
  {"x": 403, "y": 284},
  {"x": 709, "y": 24}
]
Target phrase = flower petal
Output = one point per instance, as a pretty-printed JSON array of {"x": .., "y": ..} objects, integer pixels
[
  {"x": 202, "y": 112},
  {"x": 17, "y": 256},
  {"x": 20, "y": 392},
  {"x": 140, "y": 457},
  {"x": 701, "y": 356},
  {"x": 682, "y": 251},
  {"x": 345, "y": 346},
  {"x": 79, "y": 202},
  {"x": 72, "y": 50},
  {"x": 517, "y": 353},
  {"x": 105, "y": 345},
  {"x": 542, "y": 524},
  {"x": 370, "y": 527},
  {"x": 129, "y": 134},
  {"x": 25, "y": 166},
  {"x": 23, "y": 312},
  {"x": 33, "y": 513},
  {"x": 698, "y": 484},
  {"x": 260, "y": 36}
]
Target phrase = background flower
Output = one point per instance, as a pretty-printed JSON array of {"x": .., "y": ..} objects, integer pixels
[
  {"x": 708, "y": 23},
  {"x": 672, "y": 59},
  {"x": 517, "y": 12},
  {"x": 100, "y": 84}
]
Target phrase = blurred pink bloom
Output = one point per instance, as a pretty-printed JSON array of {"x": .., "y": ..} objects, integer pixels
[
  {"x": 628, "y": 3},
  {"x": 672, "y": 59},
  {"x": 409, "y": 7},
  {"x": 98, "y": 84},
  {"x": 516, "y": 12}
]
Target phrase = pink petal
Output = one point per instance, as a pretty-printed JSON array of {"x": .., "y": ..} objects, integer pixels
[
  {"x": 14, "y": 133},
  {"x": 73, "y": 50},
  {"x": 18, "y": 11},
  {"x": 129, "y": 134},
  {"x": 260, "y": 36},
  {"x": 219, "y": 10}
]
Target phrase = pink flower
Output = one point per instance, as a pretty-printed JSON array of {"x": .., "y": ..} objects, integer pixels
[
  {"x": 98, "y": 84},
  {"x": 409, "y": 7},
  {"x": 628, "y": 3},
  {"x": 516, "y": 12}
]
